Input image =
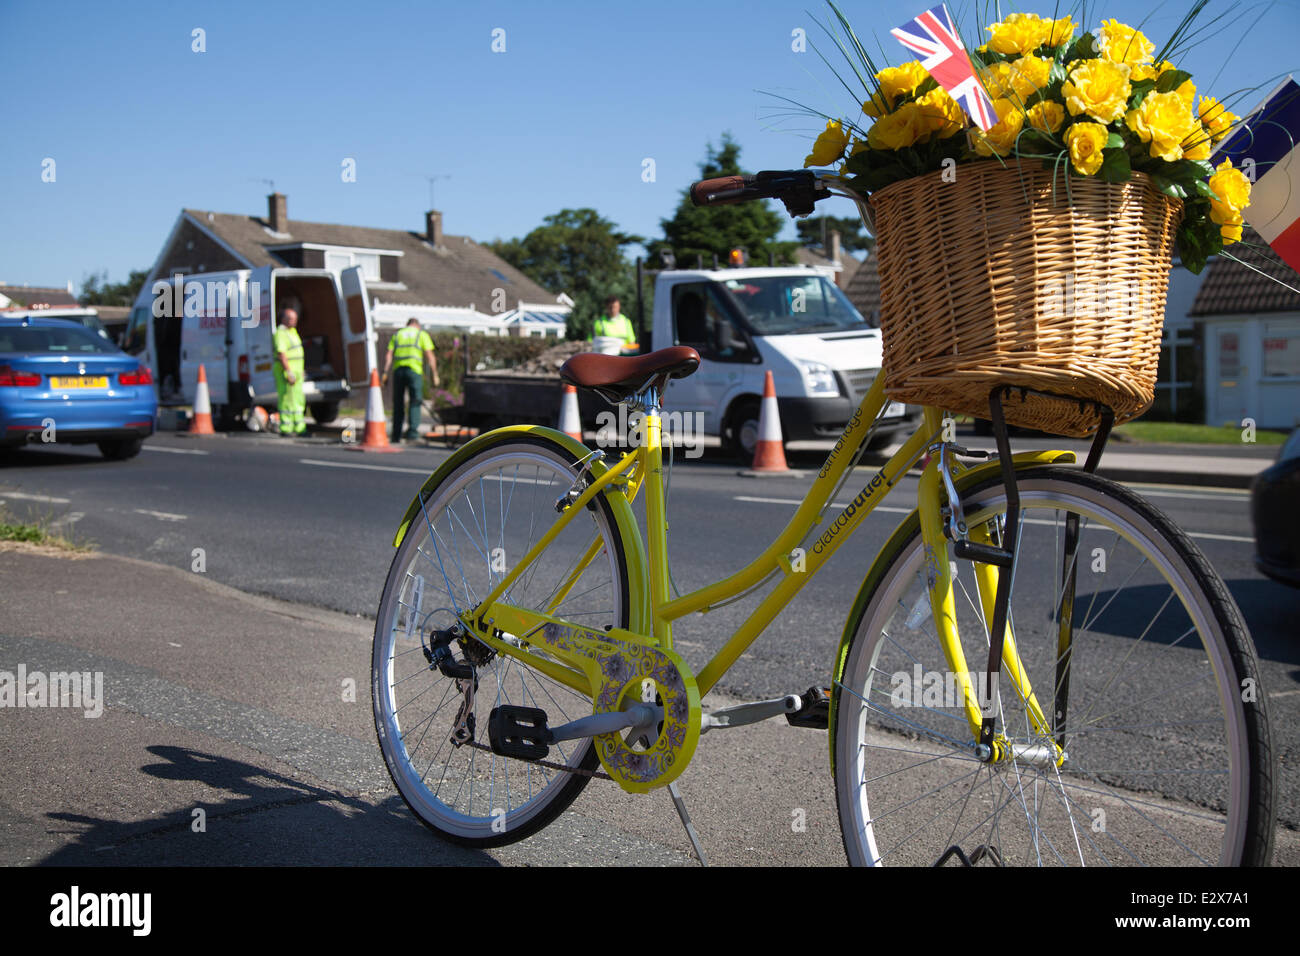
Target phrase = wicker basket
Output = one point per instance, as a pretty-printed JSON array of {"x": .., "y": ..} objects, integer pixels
[{"x": 997, "y": 277}]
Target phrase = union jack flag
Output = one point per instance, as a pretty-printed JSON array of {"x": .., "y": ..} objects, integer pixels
[{"x": 934, "y": 40}]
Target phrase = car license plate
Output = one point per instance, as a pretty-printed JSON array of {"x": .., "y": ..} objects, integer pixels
[
  {"x": 79, "y": 381},
  {"x": 895, "y": 410}
]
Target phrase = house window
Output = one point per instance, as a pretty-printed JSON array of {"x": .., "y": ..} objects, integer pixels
[
  {"x": 1281, "y": 354},
  {"x": 368, "y": 261}
]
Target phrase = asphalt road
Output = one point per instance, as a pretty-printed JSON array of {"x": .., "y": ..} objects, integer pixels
[{"x": 311, "y": 523}]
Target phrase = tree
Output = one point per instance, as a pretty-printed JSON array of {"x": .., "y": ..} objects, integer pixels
[
  {"x": 716, "y": 230},
  {"x": 97, "y": 290},
  {"x": 814, "y": 233},
  {"x": 577, "y": 252}
]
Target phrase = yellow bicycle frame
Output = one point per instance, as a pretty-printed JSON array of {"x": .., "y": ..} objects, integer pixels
[{"x": 653, "y": 609}]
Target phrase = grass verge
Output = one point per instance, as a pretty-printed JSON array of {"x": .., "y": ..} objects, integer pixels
[
  {"x": 38, "y": 533},
  {"x": 1185, "y": 433}
]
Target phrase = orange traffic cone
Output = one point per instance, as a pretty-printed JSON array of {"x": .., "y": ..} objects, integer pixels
[
  {"x": 201, "y": 423},
  {"x": 570, "y": 421},
  {"x": 769, "y": 453},
  {"x": 376, "y": 436}
]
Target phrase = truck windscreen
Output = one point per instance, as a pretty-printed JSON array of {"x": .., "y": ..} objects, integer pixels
[{"x": 793, "y": 305}]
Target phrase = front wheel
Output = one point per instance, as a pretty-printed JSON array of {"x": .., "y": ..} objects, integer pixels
[
  {"x": 1166, "y": 748},
  {"x": 476, "y": 524}
]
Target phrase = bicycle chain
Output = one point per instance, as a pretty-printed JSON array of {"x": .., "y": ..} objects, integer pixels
[{"x": 580, "y": 771}]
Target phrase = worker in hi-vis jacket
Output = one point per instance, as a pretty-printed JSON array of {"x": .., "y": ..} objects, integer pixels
[{"x": 289, "y": 374}]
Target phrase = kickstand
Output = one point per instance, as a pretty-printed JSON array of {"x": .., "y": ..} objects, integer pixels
[{"x": 680, "y": 804}]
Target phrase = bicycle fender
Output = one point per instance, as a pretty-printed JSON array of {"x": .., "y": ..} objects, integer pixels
[
  {"x": 908, "y": 527},
  {"x": 634, "y": 550}
]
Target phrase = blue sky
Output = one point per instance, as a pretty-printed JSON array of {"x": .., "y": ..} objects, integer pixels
[{"x": 140, "y": 126}]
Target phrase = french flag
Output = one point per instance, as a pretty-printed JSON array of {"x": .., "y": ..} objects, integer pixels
[{"x": 1270, "y": 137}]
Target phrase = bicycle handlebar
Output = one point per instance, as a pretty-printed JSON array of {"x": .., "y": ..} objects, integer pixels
[{"x": 799, "y": 189}]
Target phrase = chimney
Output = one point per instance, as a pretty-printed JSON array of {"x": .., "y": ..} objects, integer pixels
[
  {"x": 833, "y": 250},
  {"x": 433, "y": 227},
  {"x": 277, "y": 212}
]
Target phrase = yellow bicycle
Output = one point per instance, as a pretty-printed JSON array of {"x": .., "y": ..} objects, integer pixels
[{"x": 1039, "y": 667}]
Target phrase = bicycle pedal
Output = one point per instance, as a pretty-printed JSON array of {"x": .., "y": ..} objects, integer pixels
[
  {"x": 815, "y": 712},
  {"x": 519, "y": 732}
]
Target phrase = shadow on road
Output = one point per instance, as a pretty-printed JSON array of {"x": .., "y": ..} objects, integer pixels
[
  {"x": 1263, "y": 604},
  {"x": 267, "y": 819},
  {"x": 21, "y": 456}
]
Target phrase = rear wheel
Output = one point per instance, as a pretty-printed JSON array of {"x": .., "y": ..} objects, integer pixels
[
  {"x": 1164, "y": 728},
  {"x": 480, "y": 519},
  {"x": 121, "y": 449}
]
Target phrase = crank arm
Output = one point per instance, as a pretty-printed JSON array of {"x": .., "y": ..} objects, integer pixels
[
  {"x": 640, "y": 715},
  {"x": 751, "y": 713}
]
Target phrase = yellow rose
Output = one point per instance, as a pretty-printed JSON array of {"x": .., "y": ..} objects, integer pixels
[
  {"x": 1196, "y": 145},
  {"x": 829, "y": 147},
  {"x": 1230, "y": 191},
  {"x": 1086, "y": 141},
  {"x": 1019, "y": 33},
  {"x": 1148, "y": 71},
  {"x": 1187, "y": 93},
  {"x": 997, "y": 79},
  {"x": 1047, "y": 116},
  {"x": 1029, "y": 74},
  {"x": 906, "y": 126},
  {"x": 1097, "y": 88},
  {"x": 1001, "y": 139},
  {"x": 1122, "y": 44},
  {"x": 1164, "y": 121},
  {"x": 941, "y": 112},
  {"x": 895, "y": 81},
  {"x": 1231, "y": 231},
  {"x": 1060, "y": 31},
  {"x": 1216, "y": 119}
]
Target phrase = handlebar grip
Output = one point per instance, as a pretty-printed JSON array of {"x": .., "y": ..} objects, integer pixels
[{"x": 703, "y": 192}]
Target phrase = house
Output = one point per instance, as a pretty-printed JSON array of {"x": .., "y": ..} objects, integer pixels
[
  {"x": 863, "y": 290},
  {"x": 832, "y": 261},
  {"x": 440, "y": 279},
  {"x": 1248, "y": 307},
  {"x": 35, "y": 297}
]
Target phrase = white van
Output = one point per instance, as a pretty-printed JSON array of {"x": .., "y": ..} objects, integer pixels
[
  {"x": 793, "y": 321},
  {"x": 226, "y": 320}
]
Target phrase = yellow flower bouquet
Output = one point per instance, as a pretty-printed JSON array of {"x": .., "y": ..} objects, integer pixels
[{"x": 1099, "y": 104}]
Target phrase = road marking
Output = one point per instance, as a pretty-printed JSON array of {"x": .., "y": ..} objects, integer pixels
[
  {"x": 161, "y": 515},
  {"x": 418, "y": 471},
  {"x": 175, "y": 451},
  {"x": 903, "y": 511},
  {"x": 22, "y": 496},
  {"x": 1229, "y": 495},
  {"x": 347, "y": 464},
  {"x": 71, "y": 518}
]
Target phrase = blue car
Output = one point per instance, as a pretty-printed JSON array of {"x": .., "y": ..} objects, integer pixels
[{"x": 60, "y": 382}]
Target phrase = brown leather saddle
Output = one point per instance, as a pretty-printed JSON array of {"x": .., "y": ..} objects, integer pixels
[{"x": 618, "y": 377}]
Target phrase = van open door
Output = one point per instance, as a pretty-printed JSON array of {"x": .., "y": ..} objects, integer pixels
[
  {"x": 258, "y": 338},
  {"x": 358, "y": 333},
  {"x": 203, "y": 341}
]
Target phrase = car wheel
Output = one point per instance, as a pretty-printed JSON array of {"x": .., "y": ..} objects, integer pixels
[{"x": 122, "y": 449}]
